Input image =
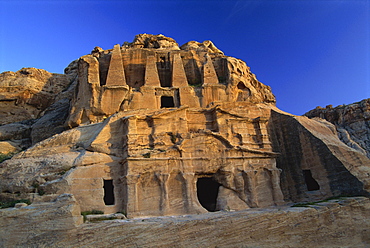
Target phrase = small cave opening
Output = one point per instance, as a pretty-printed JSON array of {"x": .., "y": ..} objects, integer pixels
[
  {"x": 108, "y": 192},
  {"x": 241, "y": 86},
  {"x": 167, "y": 102},
  {"x": 207, "y": 192},
  {"x": 311, "y": 183},
  {"x": 244, "y": 93}
]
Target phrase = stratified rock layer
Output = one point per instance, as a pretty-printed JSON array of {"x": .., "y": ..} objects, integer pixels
[
  {"x": 34, "y": 104},
  {"x": 27, "y": 92},
  {"x": 315, "y": 164},
  {"x": 351, "y": 121},
  {"x": 336, "y": 223}
]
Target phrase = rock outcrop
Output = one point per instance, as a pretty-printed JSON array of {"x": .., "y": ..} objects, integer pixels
[
  {"x": 192, "y": 117},
  {"x": 335, "y": 223},
  {"x": 351, "y": 121},
  {"x": 25, "y": 94},
  {"x": 34, "y": 105},
  {"x": 153, "y": 129},
  {"x": 315, "y": 163},
  {"x": 29, "y": 223}
]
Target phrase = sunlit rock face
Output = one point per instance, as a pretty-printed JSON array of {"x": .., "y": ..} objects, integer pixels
[
  {"x": 352, "y": 122},
  {"x": 152, "y": 72},
  {"x": 184, "y": 121},
  {"x": 34, "y": 105},
  {"x": 25, "y": 94},
  {"x": 157, "y": 129}
]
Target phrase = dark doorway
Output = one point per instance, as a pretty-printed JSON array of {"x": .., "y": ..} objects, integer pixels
[
  {"x": 167, "y": 102},
  {"x": 207, "y": 191},
  {"x": 311, "y": 183},
  {"x": 108, "y": 192}
]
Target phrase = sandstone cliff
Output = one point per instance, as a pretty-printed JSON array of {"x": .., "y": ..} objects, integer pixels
[
  {"x": 315, "y": 163},
  {"x": 25, "y": 94},
  {"x": 151, "y": 128},
  {"x": 351, "y": 121},
  {"x": 34, "y": 105}
]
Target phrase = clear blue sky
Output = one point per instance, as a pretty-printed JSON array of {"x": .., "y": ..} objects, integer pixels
[{"x": 312, "y": 53}]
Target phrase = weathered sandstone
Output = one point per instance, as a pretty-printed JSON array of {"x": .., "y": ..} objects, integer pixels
[
  {"x": 22, "y": 224},
  {"x": 142, "y": 75},
  {"x": 34, "y": 104},
  {"x": 351, "y": 121},
  {"x": 153, "y": 129},
  {"x": 315, "y": 164},
  {"x": 335, "y": 223},
  {"x": 27, "y": 92}
]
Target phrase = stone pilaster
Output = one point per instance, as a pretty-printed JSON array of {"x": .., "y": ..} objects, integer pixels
[
  {"x": 191, "y": 203},
  {"x": 131, "y": 198},
  {"x": 250, "y": 187},
  {"x": 277, "y": 194},
  {"x": 163, "y": 183}
]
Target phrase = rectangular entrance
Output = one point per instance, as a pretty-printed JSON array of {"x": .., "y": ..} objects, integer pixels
[{"x": 108, "y": 192}]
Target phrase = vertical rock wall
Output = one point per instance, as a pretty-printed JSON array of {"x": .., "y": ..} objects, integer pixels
[
  {"x": 315, "y": 164},
  {"x": 351, "y": 121}
]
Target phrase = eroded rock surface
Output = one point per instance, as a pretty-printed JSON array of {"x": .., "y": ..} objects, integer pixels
[
  {"x": 152, "y": 72},
  {"x": 30, "y": 223},
  {"x": 156, "y": 129},
  {"x": 26, "y": 93},
  {"x": 34, "y": 104},
  {"x": 351, "y": 121},
  {"x": 335, "y": 223},
  {"x": 315, "y": 163}
]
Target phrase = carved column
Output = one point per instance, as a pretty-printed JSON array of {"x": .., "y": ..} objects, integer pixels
[
  {"x": 163, "y": 183},
  {"x": 131, "y": 197},
  {"x": 275, "y": 182},
  {"x": 250, "y": 184},
  {"x": 189, "y": 189}
]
